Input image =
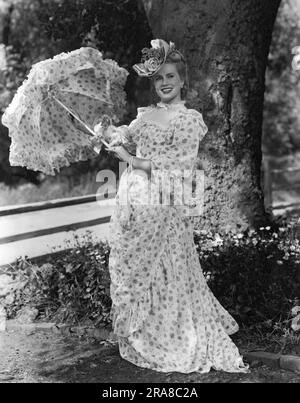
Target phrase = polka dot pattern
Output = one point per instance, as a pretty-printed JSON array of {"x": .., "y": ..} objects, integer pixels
[
  {"x": 45, "y": 137},
  {"x": 163, "y": 312}
]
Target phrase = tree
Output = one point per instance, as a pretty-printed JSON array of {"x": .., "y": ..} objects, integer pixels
[
  {"x": 226, "y": 44},
  {"x": 281, "y": 125}
]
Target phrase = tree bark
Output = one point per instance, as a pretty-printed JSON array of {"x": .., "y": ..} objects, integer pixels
[
  {"x": 226, "y": 43},
  {"x": 6, "y": 9}
]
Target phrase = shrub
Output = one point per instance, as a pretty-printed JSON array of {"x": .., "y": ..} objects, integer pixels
[
  {"x": 72, "y": 287},
  {"x": 255, "y": 275}
]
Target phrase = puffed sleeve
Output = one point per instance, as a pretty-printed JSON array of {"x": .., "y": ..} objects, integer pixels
[
  {"x": 181, "y": 154},
  {"x": 127, "y": 135}
]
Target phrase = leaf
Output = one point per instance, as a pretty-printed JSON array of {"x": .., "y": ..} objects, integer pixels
[{"x": 69, "y": 268}]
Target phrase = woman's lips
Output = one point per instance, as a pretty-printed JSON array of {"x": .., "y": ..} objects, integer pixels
[{"x": 166, "y": 90}]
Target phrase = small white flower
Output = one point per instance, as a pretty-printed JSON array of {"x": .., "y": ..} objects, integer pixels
[
  {"x": 295, "y": 310},
  {"x": 217, "y": 241},
  {"x": 296, "y": 323}
]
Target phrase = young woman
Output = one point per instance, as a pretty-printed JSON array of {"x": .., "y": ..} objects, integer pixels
[{"x": 164, "y": 314}]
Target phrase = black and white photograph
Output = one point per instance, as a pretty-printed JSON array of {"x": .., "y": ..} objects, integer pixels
[{"x": 149, "y": 194}]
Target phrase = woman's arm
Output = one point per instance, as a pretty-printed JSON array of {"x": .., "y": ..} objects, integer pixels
[
  {"x": 137, "y": 163},
  {"x": 141, "y": 163}
]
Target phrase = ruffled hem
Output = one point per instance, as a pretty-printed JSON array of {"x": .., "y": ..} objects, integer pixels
[
  {"x": 51, "y": 71},
  {"x": 50, "y": 165}
]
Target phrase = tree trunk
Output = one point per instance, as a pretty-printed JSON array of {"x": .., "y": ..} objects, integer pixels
[
  {"x": 226, "y": 43},
  {"x": 6, "y": 9}
]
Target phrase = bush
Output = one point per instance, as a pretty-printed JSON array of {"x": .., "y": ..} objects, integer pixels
[
  {"x": 255, "y": 275},
  {"x": 72, "y": 287}
]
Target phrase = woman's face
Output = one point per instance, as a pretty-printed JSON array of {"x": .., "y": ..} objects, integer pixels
[{"x": 168, "y": 83}]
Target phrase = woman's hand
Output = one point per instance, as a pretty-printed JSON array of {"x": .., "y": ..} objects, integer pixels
[
  {"x": 96, "y": 139},
  {"x": 120, "y": 151}
]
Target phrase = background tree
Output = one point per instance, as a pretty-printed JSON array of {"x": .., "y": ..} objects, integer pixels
[
  {"x": 281, "y": 126},
  {"x": 226, "y": 44}
]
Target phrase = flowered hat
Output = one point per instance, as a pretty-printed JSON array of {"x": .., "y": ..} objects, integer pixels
[{"x": 155, "y": 57}]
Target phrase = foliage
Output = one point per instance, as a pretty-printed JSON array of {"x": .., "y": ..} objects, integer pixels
[
  {"x": 281, "y": 109},
  {"x": 70, "y": 288},
  {"x": 255, "y": 275},
  {"x": 49, "y": 189}
]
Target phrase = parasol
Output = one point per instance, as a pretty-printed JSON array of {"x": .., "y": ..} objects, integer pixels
[{"x": 51, "y": 115}]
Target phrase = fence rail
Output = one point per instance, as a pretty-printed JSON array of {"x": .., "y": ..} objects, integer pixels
[
  {"x": 42, "y": 228},
  {"x": 32, "y": 229}
]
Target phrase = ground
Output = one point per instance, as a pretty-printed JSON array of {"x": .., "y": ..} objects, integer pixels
[{"x": 47, "y": 357}]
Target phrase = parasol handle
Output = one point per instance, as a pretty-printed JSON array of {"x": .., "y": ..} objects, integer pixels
[{"x": 79, "y": 120}]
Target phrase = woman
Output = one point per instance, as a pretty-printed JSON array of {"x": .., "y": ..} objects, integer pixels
[{"x": 164, "y": 315}]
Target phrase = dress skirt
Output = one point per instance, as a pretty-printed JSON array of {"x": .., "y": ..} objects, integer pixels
[{"x": 164, "y": 314}]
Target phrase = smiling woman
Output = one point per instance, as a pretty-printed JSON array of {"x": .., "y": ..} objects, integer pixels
[
  {"x": 168, "y": 83},
  {"x": 163, "y": 312}
]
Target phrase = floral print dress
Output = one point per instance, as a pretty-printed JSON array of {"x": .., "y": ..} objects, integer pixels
[{"x": 163, "y": 312}]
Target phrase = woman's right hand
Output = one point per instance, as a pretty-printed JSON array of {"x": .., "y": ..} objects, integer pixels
[
  {"x": 96, "y": 139},
  {"x": 99, "y": 130},
  {"x": 111, "y": 134}
]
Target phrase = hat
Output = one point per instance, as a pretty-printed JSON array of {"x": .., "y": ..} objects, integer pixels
[{"x": 155, "y": 57}]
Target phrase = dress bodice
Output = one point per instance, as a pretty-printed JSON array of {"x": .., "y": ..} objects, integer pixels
[
  {"x": 172, "y": 149},
  {"x": 152, "y": 136}
]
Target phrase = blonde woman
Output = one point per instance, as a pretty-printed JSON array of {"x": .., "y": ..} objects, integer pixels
[{"x": 163, "y": 312}]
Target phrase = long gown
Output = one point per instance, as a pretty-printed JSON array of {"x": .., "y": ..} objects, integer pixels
[{"x": 164, "y": 314}]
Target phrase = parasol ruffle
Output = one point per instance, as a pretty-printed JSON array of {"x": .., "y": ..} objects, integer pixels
[
  {"x": 42, "y": 162},
  {"x": 51, "y": 117},
  {"x": 52, "y": 71}
]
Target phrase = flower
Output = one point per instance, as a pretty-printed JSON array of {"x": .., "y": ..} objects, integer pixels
[
  {"x": 154, "y": 58},
  {"x": 218, "y": 241},
  {"x": 152, "y": 64},
  {"x": 295, "y": 311}
]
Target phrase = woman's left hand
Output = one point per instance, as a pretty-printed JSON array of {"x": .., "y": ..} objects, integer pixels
[{"x": 121, "y": 152}]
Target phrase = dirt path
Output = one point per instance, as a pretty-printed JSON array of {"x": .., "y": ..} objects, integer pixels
[{"x": 46, "y": 357}]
